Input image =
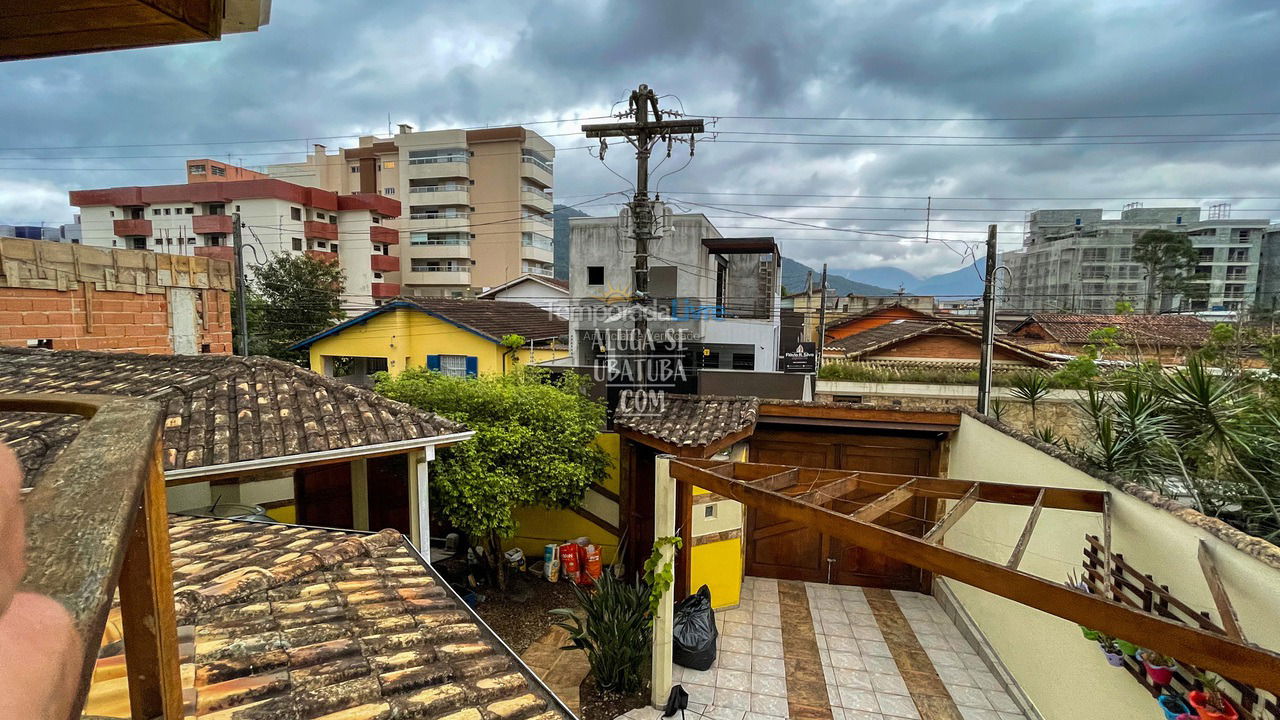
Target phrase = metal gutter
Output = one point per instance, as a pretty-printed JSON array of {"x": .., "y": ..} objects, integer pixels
[{"x": 338, "y": 454}]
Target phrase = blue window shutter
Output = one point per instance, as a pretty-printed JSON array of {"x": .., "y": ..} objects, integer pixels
[
  {"x": 433, "y": 362},
  {"x": 473, "y": 366}
]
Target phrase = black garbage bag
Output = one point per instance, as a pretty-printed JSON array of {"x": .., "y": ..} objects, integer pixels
[{"x": 695, "y": 631}]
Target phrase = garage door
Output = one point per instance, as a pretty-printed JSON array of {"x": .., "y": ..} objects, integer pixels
[{"x": 783, "y": 549}]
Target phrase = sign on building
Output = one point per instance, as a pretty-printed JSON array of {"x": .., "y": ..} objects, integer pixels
[{"x": 800, "y": 359}]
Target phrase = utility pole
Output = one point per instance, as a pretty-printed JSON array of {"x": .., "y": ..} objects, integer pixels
[
  {"x": 988, "y": 323},
  {"x": 643, "y": 132},
  {"x": 242, "y": 302},
  {"x": 822, "y": 326}
]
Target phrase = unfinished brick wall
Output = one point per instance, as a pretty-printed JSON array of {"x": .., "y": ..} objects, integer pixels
[
  {"x": 75, "y": 297},
  {"x": 119, "y": 321}
]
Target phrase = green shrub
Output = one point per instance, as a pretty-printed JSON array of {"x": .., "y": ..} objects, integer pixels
[{"x": 611, "y": 624}]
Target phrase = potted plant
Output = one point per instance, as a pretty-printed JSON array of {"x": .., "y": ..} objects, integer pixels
[
  {"x": 1210, "y": 702},
  {"x": 1089, "y": 633},
  {"x": 1159, "y": 667},
  {"x": 1174, "y": 707},
  {"x": 1127, "y": 647},
  {"x": 1109, "y": 648}
]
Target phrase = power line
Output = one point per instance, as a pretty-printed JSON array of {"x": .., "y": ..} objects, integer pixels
[{"x": 1143, "y": 116}]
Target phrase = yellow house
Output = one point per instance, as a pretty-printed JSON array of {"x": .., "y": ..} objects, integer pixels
[{"x": 456, "y": 337}]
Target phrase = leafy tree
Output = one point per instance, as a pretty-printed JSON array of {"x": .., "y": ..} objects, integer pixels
[
  {"x": 533, "y": 446},
  {"x": 1170, "y": 260},
  {"x": 291, "y": 297}
]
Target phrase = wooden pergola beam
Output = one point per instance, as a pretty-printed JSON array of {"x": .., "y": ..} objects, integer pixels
[
  {"x": 1244, "y": 663},
  {"x": 1016, "y": 558},
  {"x": 932, "y": 487},
  {"x": 886, "y": 502},
  {"x": 1230, "y": 621},
  {"x": 953, "y": 515},
  {"x": 832, "y": 491},
  {"x": 778, "y": 481}
]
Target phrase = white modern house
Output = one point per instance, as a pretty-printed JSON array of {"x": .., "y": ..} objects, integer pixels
[{"x": 720, "y": 296}]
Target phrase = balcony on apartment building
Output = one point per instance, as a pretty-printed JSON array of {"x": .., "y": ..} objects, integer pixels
[
  {"x": 446, "y": 163},
  {"x": 218, "y": 252},
  {"x": 211, "y": 224},
  {"x": 440, "y": 193},
  {"x": 535, "y": 223},
  {"x": 384, "y": 263},
  {"x": 534, "y": 268},
  {"x": 384, "y": 289},
  {"x": 536, "y": 198},
  {"x": 439, "y": 273},
  {"x": 432, "y": 218},
  {"x": 536, "y": 247},
  {"x": 130, "y": 227},
  {"x": 316, "y": 230},
  {"x": 536, "y": 167},
  {"x": 383, "y": 234}
]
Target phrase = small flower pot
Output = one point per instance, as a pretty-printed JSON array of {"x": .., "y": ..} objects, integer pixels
[
  {"x": 1199, "y": 701},
  {"x": 1115, "y": 658},
  {"x": 1159, "y": 674},
  {"x": 1173, "y": 707}
]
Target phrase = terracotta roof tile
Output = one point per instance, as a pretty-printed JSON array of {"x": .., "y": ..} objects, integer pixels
[
  {"x": 694, "y": 420},
  {"x": 220, "y": 408},
  {"x": 1074, "y": 329},
  {"x": 497, "y": 318},
  {"x": 300, "y": 623}
]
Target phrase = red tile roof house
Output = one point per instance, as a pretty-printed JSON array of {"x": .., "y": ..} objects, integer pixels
[
  {"x": 1165, "y": 338},
  {"x": 251, "y": 431}
]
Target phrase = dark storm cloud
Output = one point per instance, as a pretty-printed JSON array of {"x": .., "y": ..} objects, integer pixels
[{"x": 322, "y": 69}]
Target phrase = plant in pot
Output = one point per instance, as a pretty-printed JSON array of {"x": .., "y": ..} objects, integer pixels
[
  {"x": 611, "y": 623},
  {"x": 1127, "y": 647},
  {"x": 1115, "y": 657},
  {"x": 1173, "y": 706},
  {"x": 1210, "y": 702},
  {"x": 1159, "y": 667}
]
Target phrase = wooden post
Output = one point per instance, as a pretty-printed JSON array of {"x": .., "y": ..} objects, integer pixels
[
  {"x": 146, "y": 607},
  {"x": 664, "y": 525},
  {"x": 420, "y": 499},
  {"x": 1226, "y": 610},
  {"x": 360, "y": 492}
]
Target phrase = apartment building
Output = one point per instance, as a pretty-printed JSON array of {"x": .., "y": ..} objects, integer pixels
[
  {"x": 478, "y": 202},
  {"x": 1074, "y": 260},
  {"x": 719, "y": 295},
  {"x": 277, "y": 217}
]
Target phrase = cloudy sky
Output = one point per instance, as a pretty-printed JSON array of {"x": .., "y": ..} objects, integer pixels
[{"x": 844, "y": 115}]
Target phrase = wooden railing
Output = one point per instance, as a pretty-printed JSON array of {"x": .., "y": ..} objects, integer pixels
[
  {"x": 96, "y": 521},
  {"x": 1131, "y": 587}
]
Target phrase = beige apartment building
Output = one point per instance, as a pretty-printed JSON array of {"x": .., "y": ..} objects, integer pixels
[{"x": 477, "y": 203}]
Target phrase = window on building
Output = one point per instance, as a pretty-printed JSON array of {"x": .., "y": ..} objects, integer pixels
[
  {"x": 205, "y": 348},
  {"x": 1178, "y": 221},
  {"x": 595, "y": 274},
  {"x": 295, "y": 213},
  {"x": 195, "y": 169},
  {"x": 1242, "y": 234},
  {"x": 297, "y": 244},
  {"x": 377, "y": 276},
  {"x": 455, "y": 365},
  {"x": 159, "y": 241},
  {"x": 166, "y": 211},
  {"x": 1238, "y": 255},
  {"x": 218, "y": 209},
  {"x": 389, "y": 164},
  {"x": 191, "y": 241},
  {"x": 1206, "y": 254},
  {"x": 389, "y": 191},
  {"x": 355, "y": 168},
  {"x": 215, "y": 241},
  {"x": 42, "y": 344},
  {"x": 709, "y": 510},
  {"x": 139, "y": 243},
  {"x": 710, "y": 360},
  {"x": 1124, "y": 254},
  {"x": 155, "y": 211},
  {"x": 1096, "y": 254},
  {"x": 218, "y": 170},
  {"x": 744, "y": 361}
]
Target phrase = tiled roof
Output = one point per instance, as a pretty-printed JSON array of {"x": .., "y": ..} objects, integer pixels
[
  {"x": 219, "y": 409},
  {"x": 493, "y": 319},
  {"x": 1074, "y": 329},
  {"x": 694, "y": 420},
  {"x": 881, "y": 335},
  {"x": 552, "y": 282},
  {"x": 497, "y": 318},
  {"x": 292, "y": 623},
  {"x": 846, "y": 318}
]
